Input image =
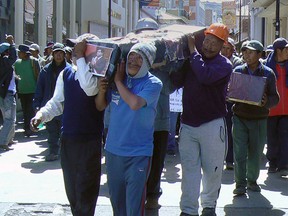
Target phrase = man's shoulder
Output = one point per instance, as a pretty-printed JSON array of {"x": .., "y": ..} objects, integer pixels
[
  {"x": 154, "y": 79},
  {"x": 267, "y": 69}
]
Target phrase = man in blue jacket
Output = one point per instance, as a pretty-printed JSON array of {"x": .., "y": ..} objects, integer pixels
[
  {"x": 202, "y": 144},
  {"x": 44, "y": 91},
  {"x": 7, "y": 92}
]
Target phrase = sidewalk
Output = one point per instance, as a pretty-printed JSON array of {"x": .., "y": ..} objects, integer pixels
[{"x": 31, "y": 186}]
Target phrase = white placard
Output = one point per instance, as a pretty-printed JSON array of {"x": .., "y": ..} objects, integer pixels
[{"x": 176, "y": 101}]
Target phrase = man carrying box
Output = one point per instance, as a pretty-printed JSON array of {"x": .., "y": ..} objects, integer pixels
[{"x": 249, "y": 121}]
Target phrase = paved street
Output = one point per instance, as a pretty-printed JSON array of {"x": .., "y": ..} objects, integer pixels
[{"x": 31, "y": 186}]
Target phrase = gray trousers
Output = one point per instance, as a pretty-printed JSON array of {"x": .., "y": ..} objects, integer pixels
[{"x": 202, "y": 152}]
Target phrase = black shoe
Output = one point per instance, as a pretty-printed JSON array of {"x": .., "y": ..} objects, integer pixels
[
  {"x": 229, "y": 166},
  {"x": 51, "y": 157},
  {"x": 171, "y": 152},
  {"x": 208, "y": 212},
  {"x": 152, "y": 204},
  {"x": 28, "y": 133},
  {"x": 284, "y": 172},
  {"x": 12, "y": 142},
  {"x": 5, "y": 147},
  {"x": 272, "y": 169},
  {"x": 239, "y": 190},
  {"x": 253, "y": 186}
]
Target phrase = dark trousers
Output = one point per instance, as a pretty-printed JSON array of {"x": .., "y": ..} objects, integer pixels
[
  {"x": 228, "y": 119},
  {"x": 28, "y": 113},
  {"x": 81, "y": 164},
  {"x": 54, "y": 130},
  {"x": 277, "y": 141},
  {"x": 159, "y": 152}
]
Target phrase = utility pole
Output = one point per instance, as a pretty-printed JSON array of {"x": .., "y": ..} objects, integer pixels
[
  {"x": 240, "y": 20},
  {"x": 36, "y": 21},
  {"x": 109, "y": 19},
  {"x": 277, "y": 23}
]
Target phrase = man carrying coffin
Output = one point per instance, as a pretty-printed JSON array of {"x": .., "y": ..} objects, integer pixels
[{"x": 250, "y": 121}]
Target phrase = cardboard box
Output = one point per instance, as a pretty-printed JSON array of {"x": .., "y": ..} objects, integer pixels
[{"x": 246, "y": 88}]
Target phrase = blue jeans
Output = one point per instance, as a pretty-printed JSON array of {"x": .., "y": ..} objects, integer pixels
[
  {"x": 126, "y": 178},
  {"x": 277, "y": 137},
  {"x": 8, "y": 109}
]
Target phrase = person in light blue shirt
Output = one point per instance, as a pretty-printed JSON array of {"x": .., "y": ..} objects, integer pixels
[{"x": 129, "y": 144}]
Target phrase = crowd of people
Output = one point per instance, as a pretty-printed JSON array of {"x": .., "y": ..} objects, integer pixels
[{"x": 215, "y": 132}]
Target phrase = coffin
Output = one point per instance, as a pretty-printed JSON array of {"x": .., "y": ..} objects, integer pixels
[{"x": 170, "y": 41}]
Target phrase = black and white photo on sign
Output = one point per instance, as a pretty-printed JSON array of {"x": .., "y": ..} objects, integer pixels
[{"x": 98, "y": 58}]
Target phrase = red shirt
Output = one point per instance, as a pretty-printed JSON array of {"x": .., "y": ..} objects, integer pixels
[{"x": 282, "y": 106}]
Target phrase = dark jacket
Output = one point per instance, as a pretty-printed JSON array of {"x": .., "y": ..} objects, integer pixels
[
  {"x": 46, "y": 83},
  {"x": 6, "y": 70},
  {"x": 205, "y": 84},
  {"x": 271, "y": 63},
  {"x": 251, "y": 112}
]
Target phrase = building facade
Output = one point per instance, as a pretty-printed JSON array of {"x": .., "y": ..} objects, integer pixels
[
  {"x": 55, "y": 20},
  {"x": 263, "y": 20}
]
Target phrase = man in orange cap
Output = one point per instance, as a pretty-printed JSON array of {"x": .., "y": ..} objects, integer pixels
[{"x": 202, "y": 144}]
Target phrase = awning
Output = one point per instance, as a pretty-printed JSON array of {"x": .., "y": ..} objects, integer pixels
[
  {"x": 261, "y": 3},
  {"x": 270, "y": 8}
]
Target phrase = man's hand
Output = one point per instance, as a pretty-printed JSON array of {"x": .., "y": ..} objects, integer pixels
[
  {"x": 10, "y": 39},
  {"x": 102, "y": 84},
  {"x": 120, "y": 73},
  {"x": 79, "y": 49},
  {"x": 264, "y": 100},
  {"x": 191, "y": 43},
  {"x": 34, "y": 123}
]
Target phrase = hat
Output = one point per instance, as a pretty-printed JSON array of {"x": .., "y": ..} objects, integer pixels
[
  {"x": 147, "y": 50},
  {"x": 231, "y": 41},
  {"x": 269, "y": 48},
  {"x": 219, "y": 30},
  {"x": 146, "y": 24},
  {"x": 253, "y": 45},
  {"x": 24, "y": 48},
  {"x": 34, "y": 47},
  {"x": 4, "y": 47},
  {"x": 68, "y": 49},
  {"x": 49, "y": 44},
  {"x": 58, "y": 47},
  {"x": 88, "y": 36},
  {"x": 280, "y": 43}
]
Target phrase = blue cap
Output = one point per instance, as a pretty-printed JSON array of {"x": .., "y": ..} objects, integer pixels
[
  {"x": 269, "y": 48},
  {"x": 253, "y": 45},
  {"x": 280, "y": 43},
  {"x": 58, "y": 47},
  {"x": 4, "y": 47},
  {"x": 24, "y": 48}
]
